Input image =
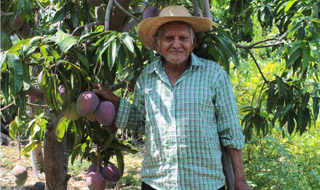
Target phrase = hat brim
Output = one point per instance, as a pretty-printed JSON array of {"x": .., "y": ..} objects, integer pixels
[{"x": 148, "y": 27}]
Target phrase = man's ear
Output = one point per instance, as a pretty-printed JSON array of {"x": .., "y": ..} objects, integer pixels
[
  {"x": 194, "y": 43},
  {"x": 156, "y": 38}
]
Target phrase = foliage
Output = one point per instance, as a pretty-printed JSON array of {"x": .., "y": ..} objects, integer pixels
[
  {"x": 58, "y": 65},
  {"x": 283, "y": 163},
  {"x": 291, "y": 96},
  {"x": 270, "y": 49}
]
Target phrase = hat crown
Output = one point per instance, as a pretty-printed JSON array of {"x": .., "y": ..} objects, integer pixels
[{"x": 174, "y": 11}]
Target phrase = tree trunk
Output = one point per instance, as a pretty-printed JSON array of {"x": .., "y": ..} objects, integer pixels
[
  {"x": 206, "y": 9},
  {"x": 55, "y": 157},
  {"x": 39, "y": 157}
]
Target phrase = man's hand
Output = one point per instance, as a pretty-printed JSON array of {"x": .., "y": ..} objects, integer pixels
[
  {"x": 106, "y": 94},
  {"x": 242, "y": 185}
]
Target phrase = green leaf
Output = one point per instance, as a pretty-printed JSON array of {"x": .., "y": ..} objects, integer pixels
[
  {"x": 5, "y": 84},
  {"x": 33, "y": 127},
  {"x": 58, "y": 16},
  {"x": 220, "y": 2},
  {"x": 107, "y": 142},
  {"x": 286, "y": 109},
  {"x": 65, "y": 41},
  {"x": 91, "y": 35},
  {"x": 113, "y": 53},
  {"x": 75, "y": 152},
  {"x": 43, "y": 51},
  {"x": 315, "y": 106},
  {"x": 128, "y": 42},
  {"x": 305, "y": 100},
  {"x": 62, "y": 128},
  {"x": 121, "y": 145},
  {"x": 29, "y": 147},
  {"x": 16, "y": 74},
  {"x": 227, "y": 47},
  {"x": 316, "y": 20},
  {"x": 271, "y": 96},
  {"x": 19, "y": 45},
  {"x": 306, "y": 59},
  {"x": 120, "y": 161},
  {"x": 281, "y": 87},
  {"x": 24, "y": 7},
  {"x": 13, "y": 129},
  {"x": 294, "y": 52},
  {"x": 289, "y": 5},
  {"x": 85, "y": 63},
  {"x": 26, "y": 77},
  {"x": 122, "y": 56},
  {"x": 6, "y": 42},
  {"x": 2, "y": 59}
]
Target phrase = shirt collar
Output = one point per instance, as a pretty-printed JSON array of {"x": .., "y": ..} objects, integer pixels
[{"x": 195, "y": 61}]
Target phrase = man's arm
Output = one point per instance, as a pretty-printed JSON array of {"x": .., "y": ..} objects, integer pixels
[{"x": 237, "y": 164}]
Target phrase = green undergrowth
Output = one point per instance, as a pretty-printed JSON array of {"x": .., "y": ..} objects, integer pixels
[{"x": 284, "y": 163}]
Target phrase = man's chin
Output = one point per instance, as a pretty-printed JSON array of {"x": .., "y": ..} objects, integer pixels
[{"x": 176, "y": 61}]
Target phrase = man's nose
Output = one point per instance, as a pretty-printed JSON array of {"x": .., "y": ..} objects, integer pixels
[{"x": 176, "y": 43}]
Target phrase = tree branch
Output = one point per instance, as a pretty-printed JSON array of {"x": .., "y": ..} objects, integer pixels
[
  {"x": 255, "y": 45},
  {"x": 260, "y": 71},
  {"x": 7, "y": 14},
  {"x": 260, "y": 93},
  {"x": 121, "y": 84},
  {"x": 207, "y": 12},
  {"x": 5, "y": 107},
  {"x": 197, "y": 11},
  {"x": 108, "y": 15},
  {"x": 37, "y": 105},
  {"x": 267, "y": 45},
  {"x": 125, "y": 11},
  {"x": 87, "y": 26}
]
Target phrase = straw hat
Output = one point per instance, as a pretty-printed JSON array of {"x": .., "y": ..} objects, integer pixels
[{"x": 148, "y": 27}]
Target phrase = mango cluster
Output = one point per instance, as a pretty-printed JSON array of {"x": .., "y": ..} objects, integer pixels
[
  {"x": 89, "y": 106},
  {"x": 98, "y": 175},
  {"x": 17, "y": 25}
]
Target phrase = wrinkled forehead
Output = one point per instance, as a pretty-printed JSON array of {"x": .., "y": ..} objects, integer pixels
[{"x": 174, "y": 24}]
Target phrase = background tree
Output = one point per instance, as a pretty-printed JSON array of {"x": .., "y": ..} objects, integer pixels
[{"x": 72, "y": 43}]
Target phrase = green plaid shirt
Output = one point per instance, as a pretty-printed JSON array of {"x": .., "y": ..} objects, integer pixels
[{"x": 183, "y": 125}]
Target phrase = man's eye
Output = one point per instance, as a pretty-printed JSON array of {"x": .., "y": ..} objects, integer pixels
[
  {"x": 183, "y": 38},
  {"x": 169, "y": 38}
]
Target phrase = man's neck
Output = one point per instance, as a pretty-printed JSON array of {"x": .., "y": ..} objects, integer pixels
[
  {"x": 174, "y": 71},
  {"x": 175, "y": 67}
]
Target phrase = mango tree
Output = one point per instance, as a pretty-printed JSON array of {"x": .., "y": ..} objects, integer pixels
[{"x": 71, "y": 44}]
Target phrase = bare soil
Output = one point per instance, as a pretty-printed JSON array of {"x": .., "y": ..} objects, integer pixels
[{"x": 10, "y": 157}]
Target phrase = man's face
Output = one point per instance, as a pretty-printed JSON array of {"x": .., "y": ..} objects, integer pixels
[{"x": 175, "y": 43}]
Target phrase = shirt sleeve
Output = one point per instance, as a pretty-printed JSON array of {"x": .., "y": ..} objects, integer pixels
[
  {"x": 132, "y": 116},
  {"x": 229, "y": 127}
]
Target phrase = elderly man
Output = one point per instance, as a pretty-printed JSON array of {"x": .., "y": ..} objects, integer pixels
[{"x": 185, "y": 106}]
